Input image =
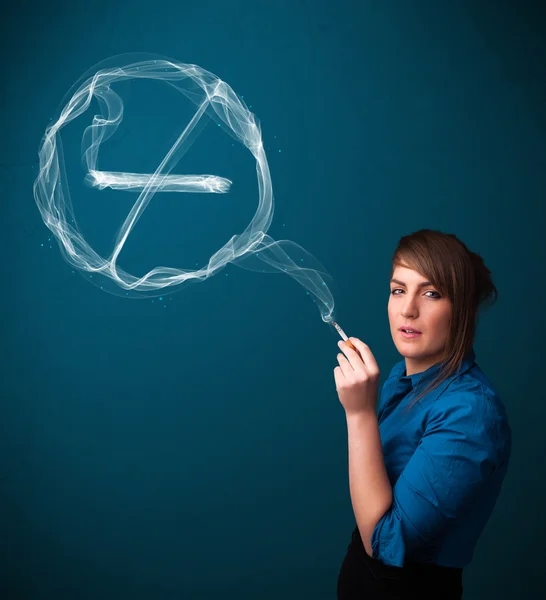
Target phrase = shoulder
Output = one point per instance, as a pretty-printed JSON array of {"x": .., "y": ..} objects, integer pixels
[
  {"x": 471, "y": 405},
  {"x": 472, "y": 391}
]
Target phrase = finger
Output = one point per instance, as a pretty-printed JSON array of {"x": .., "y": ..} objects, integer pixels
[
  {"x": 366, "y": 354},
  {"x": 353, "y": 355},
  {"x": 345, "y": 366},
  {"x": 338, "y": 377}
]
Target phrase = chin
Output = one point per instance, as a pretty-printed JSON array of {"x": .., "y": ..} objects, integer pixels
[
  {"x": 415, "y": 355},
  {"x": 408, "y": 352}
]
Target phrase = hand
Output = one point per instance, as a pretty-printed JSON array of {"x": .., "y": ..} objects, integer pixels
[{"x": 357, "y": 378}]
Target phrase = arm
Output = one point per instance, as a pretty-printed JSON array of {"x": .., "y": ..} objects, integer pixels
[{"x": 370, "y": 488}]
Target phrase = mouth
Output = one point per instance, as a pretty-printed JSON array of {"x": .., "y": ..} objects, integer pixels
[
  {"x": 409, "y": 330},
  {"x": 409, "y": 333}
]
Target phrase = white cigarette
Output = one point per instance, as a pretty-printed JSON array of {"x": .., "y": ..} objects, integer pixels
[{"x": 340, "y": 331}]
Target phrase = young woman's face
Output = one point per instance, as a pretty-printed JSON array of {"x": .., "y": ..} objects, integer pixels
[{"x": 414, "y": 305}]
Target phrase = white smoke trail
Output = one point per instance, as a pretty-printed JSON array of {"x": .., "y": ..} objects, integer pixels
[{"x": 212, "y": 96}]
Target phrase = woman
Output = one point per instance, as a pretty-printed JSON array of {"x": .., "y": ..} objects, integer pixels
[{"x": 426, "y": 461}]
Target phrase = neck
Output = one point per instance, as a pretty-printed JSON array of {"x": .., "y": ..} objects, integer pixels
[{"x": 414, "y": 366}]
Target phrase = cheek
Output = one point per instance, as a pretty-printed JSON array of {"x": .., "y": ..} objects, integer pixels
[
  {"x": 442, "y": 320},
  {"x": 390, "y": 312}
]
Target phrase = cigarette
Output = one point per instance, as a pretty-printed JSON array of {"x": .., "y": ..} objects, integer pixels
[{"x": 343, "y": 335}]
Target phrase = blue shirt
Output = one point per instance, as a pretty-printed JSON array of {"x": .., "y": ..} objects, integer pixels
[{"x": 446, "y": 459}]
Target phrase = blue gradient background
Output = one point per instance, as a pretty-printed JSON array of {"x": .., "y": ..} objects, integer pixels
[{"x": 195, "y": 447}]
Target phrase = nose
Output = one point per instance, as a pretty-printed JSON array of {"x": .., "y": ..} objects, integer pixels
[{"x": 409, "y": 308}]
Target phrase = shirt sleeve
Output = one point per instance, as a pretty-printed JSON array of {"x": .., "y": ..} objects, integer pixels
[{"x": 448, "y": 468}]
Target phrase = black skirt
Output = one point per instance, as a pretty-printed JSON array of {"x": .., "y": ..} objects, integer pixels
[{"x": 364, "y": 578}]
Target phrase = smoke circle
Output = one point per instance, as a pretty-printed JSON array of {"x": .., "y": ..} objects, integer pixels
[{"x": 217, "y": 100}]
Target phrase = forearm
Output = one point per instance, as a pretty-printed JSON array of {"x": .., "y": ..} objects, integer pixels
[{"x": 370, "y": 488}]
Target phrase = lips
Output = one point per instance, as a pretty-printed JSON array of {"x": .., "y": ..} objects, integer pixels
[{"x": 411, "y": 329}]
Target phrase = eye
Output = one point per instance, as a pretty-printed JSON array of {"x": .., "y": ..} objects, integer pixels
[{"x": 438, "y": 296}]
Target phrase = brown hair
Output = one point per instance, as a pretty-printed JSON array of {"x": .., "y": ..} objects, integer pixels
[{"x": 457, "y": 273}]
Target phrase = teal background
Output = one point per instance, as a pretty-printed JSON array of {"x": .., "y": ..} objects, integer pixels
[{"x": 195, "y": 447}]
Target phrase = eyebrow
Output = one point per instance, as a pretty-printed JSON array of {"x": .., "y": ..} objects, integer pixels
[{"x": 422, "y": 284}]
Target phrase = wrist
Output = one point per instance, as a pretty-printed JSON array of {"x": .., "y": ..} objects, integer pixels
[{"x": 362, "y": 415}]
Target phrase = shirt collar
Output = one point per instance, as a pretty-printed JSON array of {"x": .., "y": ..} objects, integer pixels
[{"x": 425, "y": 376}]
